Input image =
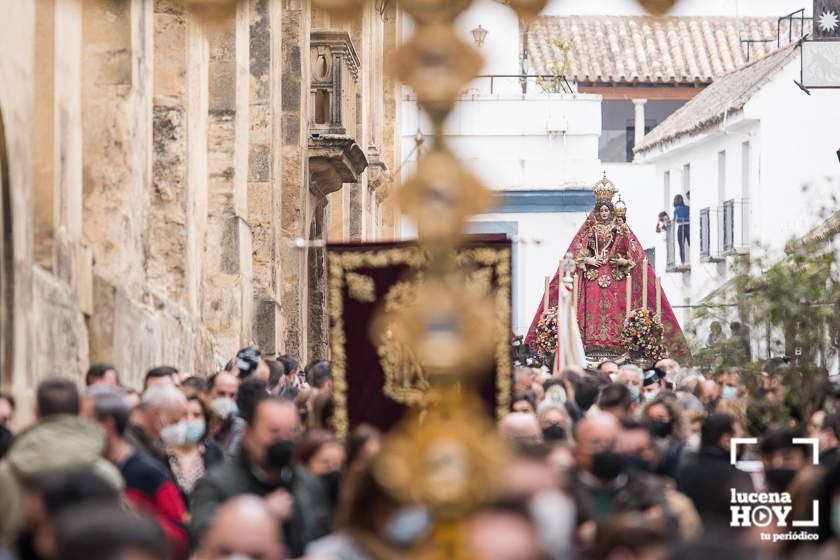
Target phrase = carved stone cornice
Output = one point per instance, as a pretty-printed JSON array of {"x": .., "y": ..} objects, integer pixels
[
  {"x": 334, "y": 160},
  {"x": 338, "y": 43}
]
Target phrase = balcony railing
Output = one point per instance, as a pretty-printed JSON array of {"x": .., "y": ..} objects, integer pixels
[
  {"x": 735, "y": 234},
  {"x": 705, "y": 231},
  {"x": 670, "y": 249}
]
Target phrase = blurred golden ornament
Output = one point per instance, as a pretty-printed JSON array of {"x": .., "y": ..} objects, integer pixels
[
  {"x": 450, "y": 461},
  {"x": 434, "y": 11},
  {"x": 527, "y": 9},
  {"x": 444, "y": 326},
  {"x": 437, "y": 65},
  {"x": 441, "y": 196},
  {"x": 406, "y": 380},
  {"x": 657, "y": 7},
  {"x": 340, "y": 8}
]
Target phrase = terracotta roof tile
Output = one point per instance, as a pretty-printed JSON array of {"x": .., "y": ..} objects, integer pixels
[
  {"x": 729, "y": 93},
  {"x": 611, "y": 49}
]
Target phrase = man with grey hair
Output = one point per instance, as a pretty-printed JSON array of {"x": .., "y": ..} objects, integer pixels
[
  {"x": 631, "y": 375},
  {"x": 158, "y": 421},
  {"x": 521, "y": 428},
  {"x": 148, "y": 485}
]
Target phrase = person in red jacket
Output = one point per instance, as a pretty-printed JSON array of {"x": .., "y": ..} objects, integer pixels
[{"x": 148, "y": 486}]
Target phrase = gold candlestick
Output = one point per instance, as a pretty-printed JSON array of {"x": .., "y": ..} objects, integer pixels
[
  {"x": 659, "y": 298},
  {"x": 644, "y": 283},
  {"x": 545, "y": 295},
  {"x": 629, "y": 285}
]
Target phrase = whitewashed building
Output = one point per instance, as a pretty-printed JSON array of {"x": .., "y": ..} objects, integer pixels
[
  {"x": 541, "y": 143},
  {"x": 759, "y": 157}
]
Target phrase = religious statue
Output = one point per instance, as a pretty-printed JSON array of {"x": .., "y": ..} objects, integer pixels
[{"x": 613, "y": 277}]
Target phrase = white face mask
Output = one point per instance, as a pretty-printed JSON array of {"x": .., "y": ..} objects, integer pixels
[
  {"x": 224, "y": 407},
  {"x": 194, "y": 431},
  {"x": 729, "y": 392},
  {"x": 174, "y": 434}
]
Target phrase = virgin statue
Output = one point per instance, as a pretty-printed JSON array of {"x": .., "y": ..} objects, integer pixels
[{"x": 608, "y": 257}]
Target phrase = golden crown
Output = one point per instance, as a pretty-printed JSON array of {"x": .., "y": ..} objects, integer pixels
[
  {"x": 604, "y": 190},
  {"x": 620, "y": 208}
]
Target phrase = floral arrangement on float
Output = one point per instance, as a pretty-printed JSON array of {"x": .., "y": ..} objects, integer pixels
[
  {"x": 642, "y": 336},
  {"x": 545, "y": 335}
]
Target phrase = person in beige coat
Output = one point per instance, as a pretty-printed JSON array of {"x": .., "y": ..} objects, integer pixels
[{"x": 58, "y": 441}]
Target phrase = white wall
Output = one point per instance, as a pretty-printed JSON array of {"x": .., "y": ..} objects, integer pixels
[
  {"x": 793, "y": 141},
  {"x": 505, "y": 141},
  {"x": 541, "y": 243}
]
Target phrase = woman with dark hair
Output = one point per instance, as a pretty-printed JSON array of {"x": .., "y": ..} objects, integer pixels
[
  {"x": 682, "y": 219},
  {"x": 196, "y": 452}
]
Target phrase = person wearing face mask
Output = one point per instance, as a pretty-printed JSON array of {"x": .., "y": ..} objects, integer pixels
[
  {"x": 605, "y": 484},
  {"x": 149, "y": 487},
  {"x": 156, "y": 422},
  {"x": 320, "y": 453},
  {"x": 730, "y": 384},
  {"x": 667, "y": 422},
  {"x": 707, "y": 477},
  {"x": 196, "y": 453},
  {"x": 265, "y": 468},
  {"x": 652, "y": 383},
  {"x": 632, "y": 376},
  {"x": 370, "y": 524},
  {"x": 782, "y": 459},
  {"x": 223, "y": 389}
]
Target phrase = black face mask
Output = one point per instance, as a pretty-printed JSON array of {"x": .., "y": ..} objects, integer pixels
[
  {"x": 332, "y": 480},
  {"x": 779, "y": 479},
  {"x": 279, "y": 454},
  {"x": 660, "y": 429},
  {"x": 607, "y": 465},
  {"x": 555, "y": 432}
]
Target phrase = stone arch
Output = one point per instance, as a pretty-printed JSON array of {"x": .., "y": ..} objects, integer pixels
[{"x": 7, "y": 285}]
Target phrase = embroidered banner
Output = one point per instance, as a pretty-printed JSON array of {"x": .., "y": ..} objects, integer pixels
[{"x": 374, "y": 378}]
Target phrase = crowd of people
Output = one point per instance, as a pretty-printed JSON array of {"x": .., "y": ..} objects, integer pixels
[{"x": 614, "y": 462}]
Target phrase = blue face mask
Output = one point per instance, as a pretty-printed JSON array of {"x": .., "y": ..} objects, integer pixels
[
  {"x": 635, "y": 393},
  {"x": 194, "y": 431},
  {"x": 407, "y": 526},
  {"x": 728, "y": 392}
]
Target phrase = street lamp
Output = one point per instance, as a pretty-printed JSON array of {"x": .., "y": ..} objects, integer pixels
[{"x": 479, "y": 34}]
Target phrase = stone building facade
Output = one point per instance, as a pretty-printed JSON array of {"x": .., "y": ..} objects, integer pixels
[{"x": 169, "y": 172}]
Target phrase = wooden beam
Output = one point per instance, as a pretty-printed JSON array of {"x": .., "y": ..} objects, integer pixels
[{"x": 664, "y": 92}]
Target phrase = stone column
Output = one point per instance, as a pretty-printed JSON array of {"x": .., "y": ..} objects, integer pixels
[
  {"x": 116, "y": 118},
  {"x": 44, "y": 90},
  {"x": 264, "y": 165},
  {"x": 390, "y": 148},
  {"x": 294, "y": 45},
  {"x": 639, "y": 106},
  {"x": 167, "y": 269},
  {"x": 228, "y": 294},
  {"x": 356, "y": 210}
]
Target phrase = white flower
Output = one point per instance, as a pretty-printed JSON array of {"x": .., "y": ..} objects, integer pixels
[{"x": 828, "y": 22}]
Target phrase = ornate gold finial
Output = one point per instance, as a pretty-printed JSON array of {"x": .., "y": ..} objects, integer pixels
[
  {"x": 620, "y": 208},
  {"x": 604, "y": 190}
]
